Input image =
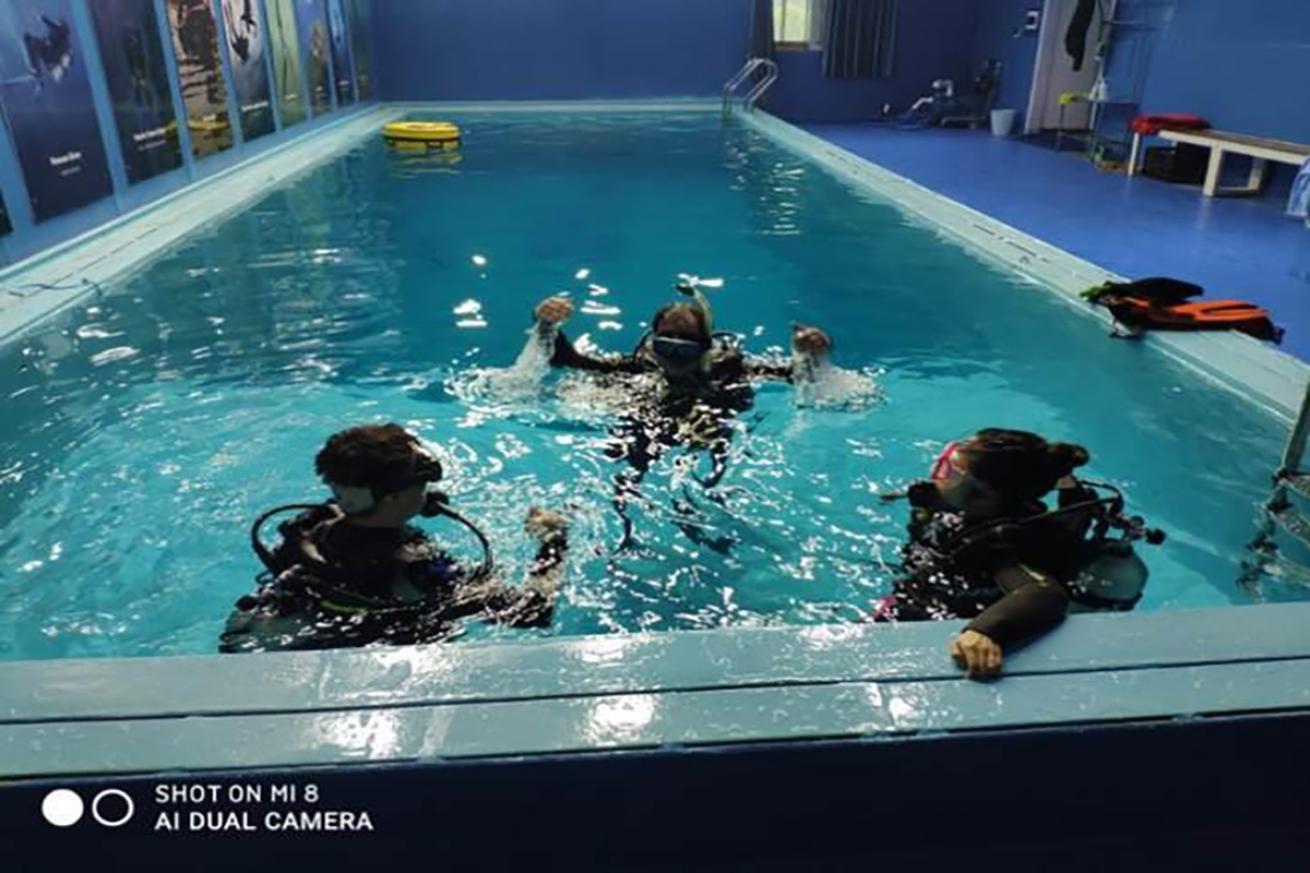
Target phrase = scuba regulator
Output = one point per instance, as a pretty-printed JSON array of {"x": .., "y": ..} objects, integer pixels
[{"x": 351, "y": 500}]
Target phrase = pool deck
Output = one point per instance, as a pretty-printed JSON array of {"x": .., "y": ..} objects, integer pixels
[{"x": 1234, "y": 247}]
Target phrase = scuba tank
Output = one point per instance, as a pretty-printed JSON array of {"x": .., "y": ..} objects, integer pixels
[{"x": 1113, "y": 579}]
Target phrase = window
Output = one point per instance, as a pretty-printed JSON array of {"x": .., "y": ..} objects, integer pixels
[{"x": 798, "y": 24}]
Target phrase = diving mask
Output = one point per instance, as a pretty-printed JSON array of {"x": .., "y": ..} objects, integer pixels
[
  {"x": 677, "y": 350},
  {"x": 947, "y": 469},
  {"x": 425, "y": 468}
]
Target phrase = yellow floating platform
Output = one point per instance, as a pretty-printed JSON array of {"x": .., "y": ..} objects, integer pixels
[{"x": 422, "y": 134}]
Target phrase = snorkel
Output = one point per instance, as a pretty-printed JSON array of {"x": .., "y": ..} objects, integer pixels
[
  {"x": 679, "y": 356},
  {"x": 691, "y": 287}
]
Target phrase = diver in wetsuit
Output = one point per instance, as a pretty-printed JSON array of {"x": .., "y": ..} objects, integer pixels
[
  {"x": 984, "y": 546},
  {"x": 696, "y": 381},
  {"x": 354, "y": 571}
]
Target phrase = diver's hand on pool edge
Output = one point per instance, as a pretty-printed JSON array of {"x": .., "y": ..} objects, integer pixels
[
  {"x": 810, "y": 341},
  {"x": 553, "y": 311},
  {"x": 977, "y": 654}
]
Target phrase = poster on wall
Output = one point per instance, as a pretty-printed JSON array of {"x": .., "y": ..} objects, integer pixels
[
  {"x": 285, "y": 48},
  {"x": 359, "y": 24},
  {"x": 246, "y": 47},
  {"x": 314, "y": 39},
  {"x": 340, "y": 39},
  {"x": 132, "y": 53},
  {"x": 200, "y": 72},
  {"x": 46, "y": 95}
]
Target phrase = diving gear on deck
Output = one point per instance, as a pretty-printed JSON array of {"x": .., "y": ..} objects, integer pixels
[{"x": 1160, "y": 303}]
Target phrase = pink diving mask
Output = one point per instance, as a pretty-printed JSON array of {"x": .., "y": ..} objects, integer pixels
[{"x": 945, "y": 469}]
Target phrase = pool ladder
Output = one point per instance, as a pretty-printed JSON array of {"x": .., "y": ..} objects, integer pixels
[
  {"x": 1285, "y": 509},
  {"x": 755, "y": 93}
]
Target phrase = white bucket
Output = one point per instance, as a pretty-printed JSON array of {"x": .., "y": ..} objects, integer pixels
[{"x": 1003, "y": 121}]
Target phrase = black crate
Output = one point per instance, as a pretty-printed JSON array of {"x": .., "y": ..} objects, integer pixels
[{"x": 1183, "y": 163}]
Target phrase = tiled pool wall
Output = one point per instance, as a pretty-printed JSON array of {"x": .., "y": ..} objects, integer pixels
[{"x": 838, "y": 741}]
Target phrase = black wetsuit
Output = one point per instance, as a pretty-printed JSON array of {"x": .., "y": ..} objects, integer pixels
[
  {"x": 711, "y": 399},
  {"x": 374, "y": 585},
  {"x": 1009, "y": 577}
]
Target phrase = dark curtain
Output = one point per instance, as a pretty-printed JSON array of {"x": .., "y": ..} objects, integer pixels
[
  {"x": 761, "y": 40},
  {"x": 860, "y": 40}
]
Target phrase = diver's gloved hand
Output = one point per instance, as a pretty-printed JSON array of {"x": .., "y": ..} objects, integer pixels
[
  {"x": 553, "y": 311},
  {"x": 703, "y": 426},
  {"x": 545, "y": 525},
  {"x": 810, "y": 341},
  {"x": 977, "y": 654}
]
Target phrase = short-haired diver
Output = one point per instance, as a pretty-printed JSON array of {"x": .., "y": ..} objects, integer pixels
[{"x": 355, "y": 571}]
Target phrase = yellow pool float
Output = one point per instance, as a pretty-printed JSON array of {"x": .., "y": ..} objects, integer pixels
[{"x": 422, "y": 134}]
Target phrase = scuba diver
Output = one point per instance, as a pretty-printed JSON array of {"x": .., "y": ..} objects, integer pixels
[
  {"x": 688, "y": 383},
  {"x": 52, "y": 53},
  {"x": 354, "y": 571},
  {"x": 983, "y": 545}
]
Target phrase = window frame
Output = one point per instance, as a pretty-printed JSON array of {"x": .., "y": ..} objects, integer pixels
[{"x": 813, "y": 8}]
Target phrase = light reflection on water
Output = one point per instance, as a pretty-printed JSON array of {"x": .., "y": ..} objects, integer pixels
[{"x": 145, "y": 429}]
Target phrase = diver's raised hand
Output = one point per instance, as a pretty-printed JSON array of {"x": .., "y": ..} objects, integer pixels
[
  {"x": 553, "y": 311},
  {"x": 545, "y": 524},
  {"x": 810, "y": 341}
]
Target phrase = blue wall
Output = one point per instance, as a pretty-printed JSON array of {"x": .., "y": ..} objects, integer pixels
[
  {"x": 1243, "y": 66},
  {"x": 29, "y": 237},
  {"x": 994, "y": 38},
  {"x": 934, "y": 40},
  {"x": 557, "y": 49}
]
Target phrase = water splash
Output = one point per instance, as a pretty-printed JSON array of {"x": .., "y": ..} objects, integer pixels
[
  {"x": 824, "y": 385},
  {"x": 521, "y": 381}
]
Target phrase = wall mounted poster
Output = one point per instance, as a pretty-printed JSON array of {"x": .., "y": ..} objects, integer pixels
[
  {"x": 246, "y": 47},
  {"x": 46, "y": 96},
  {"x": 359, "y": 25},
  {"x": 314, "y": 39},
  {"x": 340, "y": 38},
  {"x": 132, "y": 52},
  {"x": 200, "y": 71},
  {"x": 285, "y": 47}
]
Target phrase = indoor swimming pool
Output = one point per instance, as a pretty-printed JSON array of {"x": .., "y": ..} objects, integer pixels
[{"x": 148, "y": 426}]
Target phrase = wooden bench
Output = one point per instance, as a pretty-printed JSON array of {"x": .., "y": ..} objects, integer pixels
[{"x": 1220, "y": 143}]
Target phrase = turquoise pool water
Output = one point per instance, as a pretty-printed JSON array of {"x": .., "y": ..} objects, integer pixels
[{"x": 144, "y": 430}]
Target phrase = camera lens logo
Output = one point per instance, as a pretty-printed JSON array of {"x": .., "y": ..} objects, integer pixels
[{"x": 111, "y": 808}]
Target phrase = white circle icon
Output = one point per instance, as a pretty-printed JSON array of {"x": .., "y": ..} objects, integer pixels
[
  {"x": 128, "y": 811},
  {"x": 62, "y": 807}
]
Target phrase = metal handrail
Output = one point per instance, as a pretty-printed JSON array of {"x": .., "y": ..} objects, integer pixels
[
  {"x": 1280, "y": 511},
  {"x": 753, "y": 96},
  {"x": 770, "y": 76},
  {"x": 1294, "y": 453}
]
